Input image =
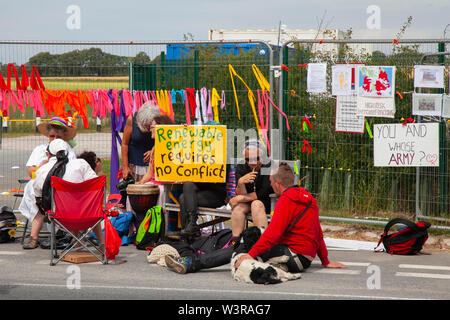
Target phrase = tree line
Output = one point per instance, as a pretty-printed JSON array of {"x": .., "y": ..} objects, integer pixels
[{"x": 91, "y": 62}]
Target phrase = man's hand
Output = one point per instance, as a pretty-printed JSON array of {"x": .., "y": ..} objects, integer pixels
[
  {"x": 335, "y": 264},
  {"x": 235, "y": 201},
  {"x": 240, "y": 259},
  {"x": 248, "y": 178}
]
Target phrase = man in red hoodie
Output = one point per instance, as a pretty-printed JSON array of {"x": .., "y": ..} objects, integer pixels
[
  {"x": 300, "y": 239},
  {"x": 301, "y": 243}
]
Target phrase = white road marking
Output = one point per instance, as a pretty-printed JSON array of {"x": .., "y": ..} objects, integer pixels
[
  {"x": 350, "y": 264},
  {"x": 11, "y": 253},
  {"x": 423, "y": 275},
  {"x": 250, "y": 292},
  {"x": 426, "y": 267},
  {"x": 338, "y": 271}
]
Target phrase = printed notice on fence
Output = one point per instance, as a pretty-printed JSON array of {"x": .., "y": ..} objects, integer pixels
[
  {"x": 346, "y": 118},
  {"x": 375, "y": 107},
  {"x": 411, "y": 145},
  {"x": 190, "y": 153}
]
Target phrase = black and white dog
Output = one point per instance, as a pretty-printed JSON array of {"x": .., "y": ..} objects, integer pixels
[{"x": 256, "y": 271}]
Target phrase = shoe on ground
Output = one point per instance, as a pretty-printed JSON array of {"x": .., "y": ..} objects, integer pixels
[
  {"x": 30, "y": 243},
  {"x": 177, "y": 264}
]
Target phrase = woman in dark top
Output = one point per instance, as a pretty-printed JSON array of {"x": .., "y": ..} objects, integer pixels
[
  {"x": 137, "y": 142},
  {"x": 253, "y": 190}
]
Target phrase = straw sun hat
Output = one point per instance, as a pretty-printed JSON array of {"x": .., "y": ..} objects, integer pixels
[{"x": 69, "y": 132}]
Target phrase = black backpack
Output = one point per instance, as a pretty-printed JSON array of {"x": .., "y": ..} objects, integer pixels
[
  {"x": 8, "y": 224},
  {"x": 213, "y": 242},
  {"x": 408, "y": 240}
]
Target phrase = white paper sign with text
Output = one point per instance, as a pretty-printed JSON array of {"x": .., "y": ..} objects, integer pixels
[
  {"x": 411, "y": 145},
  {"x": 346, "y": 118}
]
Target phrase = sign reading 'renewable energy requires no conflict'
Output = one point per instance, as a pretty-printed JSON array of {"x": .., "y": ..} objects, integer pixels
[{"x": 190, "y": 153}]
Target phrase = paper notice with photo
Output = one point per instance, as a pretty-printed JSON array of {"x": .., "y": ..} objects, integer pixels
[
  {"x": 317, "y": 78},
  {"x": 429, "y": 76},
  {"x": 427, "y": 104},
  {"x": 375, "y": 107},
  {"x": 346, "y": 118}
]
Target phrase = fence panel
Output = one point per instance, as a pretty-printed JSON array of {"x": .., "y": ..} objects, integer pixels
[
  {"x": 340, "y": 169},
  {"x": 130, "y": 66}
]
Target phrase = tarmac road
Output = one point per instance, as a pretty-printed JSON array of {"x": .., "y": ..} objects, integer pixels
[{"x": 369, "y": 276}]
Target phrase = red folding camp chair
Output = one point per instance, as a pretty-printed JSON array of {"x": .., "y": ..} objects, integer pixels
[{"x": 78, "y": 208}]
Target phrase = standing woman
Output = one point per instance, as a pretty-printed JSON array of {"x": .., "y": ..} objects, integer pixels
[{"x": 137, "y": 141}]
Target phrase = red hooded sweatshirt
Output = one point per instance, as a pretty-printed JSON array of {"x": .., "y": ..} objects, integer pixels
[{"x": 305, "y": 237}]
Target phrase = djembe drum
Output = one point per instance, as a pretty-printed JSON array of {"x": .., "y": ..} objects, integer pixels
[{"x": 142, "y": 197}]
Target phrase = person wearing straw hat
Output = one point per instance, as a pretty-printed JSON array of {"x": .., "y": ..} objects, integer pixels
[{"x": 53, "y": 129}]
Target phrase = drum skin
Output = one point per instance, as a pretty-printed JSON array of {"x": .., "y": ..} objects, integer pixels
[{"x": 142, "y": 197}]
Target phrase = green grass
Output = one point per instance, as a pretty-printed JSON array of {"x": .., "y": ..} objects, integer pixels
[{"x": 86, "y": 84}]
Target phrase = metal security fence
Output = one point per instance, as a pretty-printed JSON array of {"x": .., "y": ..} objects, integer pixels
[
  {"x": 340, "y": 170},
  {"x": 132, "y": 66}
]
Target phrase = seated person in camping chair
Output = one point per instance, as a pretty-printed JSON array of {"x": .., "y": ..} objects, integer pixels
[{"x": 75, "y": 170}]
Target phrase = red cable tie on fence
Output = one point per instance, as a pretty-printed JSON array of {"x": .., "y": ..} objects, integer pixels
[
  {"x": 399, "y": 94},
  {"x": 284, "y": 67},
  {"x": 306, "y": 145},
  {"x": 411, "y": 120}
]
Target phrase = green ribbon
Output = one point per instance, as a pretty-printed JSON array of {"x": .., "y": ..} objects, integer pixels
[{"x": 368, "y": 129}]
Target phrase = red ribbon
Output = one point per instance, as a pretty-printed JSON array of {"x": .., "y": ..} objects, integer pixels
[
  {"x": 284, "y": 67},
  {"x": 306, "y": 120},
  {"x": 408, "y": 120},
  {"x": 35, "y": 80},
  {"x": 303, "y": 65},
  {"x": 306, "y": 145}
]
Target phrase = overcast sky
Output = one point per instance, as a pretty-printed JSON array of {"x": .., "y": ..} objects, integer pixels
[{"x": 125, "y": 20}]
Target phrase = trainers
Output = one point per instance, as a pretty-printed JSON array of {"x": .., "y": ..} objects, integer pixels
[
  {"x": 177, "y": 264},
  {"x": 30, "y": 243}
]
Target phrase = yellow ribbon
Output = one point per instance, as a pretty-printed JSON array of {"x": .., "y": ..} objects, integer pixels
[
  {"x": 263, "y": 83},
  {"x": 163, "y": 101},
  {"x": 251, "y": 96},
  {"x": 215, "y": 98}
]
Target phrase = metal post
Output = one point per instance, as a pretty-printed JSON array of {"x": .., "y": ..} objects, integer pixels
[
  {"x": 196, "y": 55},
  {"x": 442, "y": 147},
  {"x": 130, "y": 77}
]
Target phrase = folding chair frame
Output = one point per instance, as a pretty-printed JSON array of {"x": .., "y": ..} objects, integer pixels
[{"x": 78, "y": 239}]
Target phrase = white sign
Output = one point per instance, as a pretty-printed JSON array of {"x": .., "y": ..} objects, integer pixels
[
  {"x": 429, "y": 76},
  {"x": 346, "y": 118},
  {"x": 317, "y": 78},
  {"x": 375, "y": 107},
  {"x": 427, "y": 104},
  {"x": 411, "y": 145}
]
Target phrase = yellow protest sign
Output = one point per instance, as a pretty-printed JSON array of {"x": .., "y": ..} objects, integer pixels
[{"x": 190, "y": 153}]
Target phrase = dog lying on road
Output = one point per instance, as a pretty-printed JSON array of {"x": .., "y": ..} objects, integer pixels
[{"x": 256, "y": 271}]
